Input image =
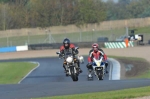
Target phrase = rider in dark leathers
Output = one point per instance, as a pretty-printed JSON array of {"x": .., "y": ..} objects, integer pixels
[{"x": 69, "y": 47}]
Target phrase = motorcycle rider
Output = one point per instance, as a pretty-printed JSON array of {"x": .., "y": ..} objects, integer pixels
[
  {"x": 69, "y": 47},
  {"x": 96, "y": 52}
]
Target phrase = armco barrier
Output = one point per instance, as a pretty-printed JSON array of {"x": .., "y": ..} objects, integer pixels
[
  {"x": 118, "y": 44},
  {"x": 43, "y": 46},
  {"x": 13, "y": 49},
  {"x": 21, "y": 48}
]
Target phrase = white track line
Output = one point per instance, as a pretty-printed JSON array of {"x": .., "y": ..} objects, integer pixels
[
  {"x": 110, "y": 70},
  {"x": 38, "y": 64},
  {"x": 115, "y": 70}
]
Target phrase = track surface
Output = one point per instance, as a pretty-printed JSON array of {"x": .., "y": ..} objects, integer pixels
[
  {"x": 51, "y": 70},
  {"x": 49, "y": 80}
]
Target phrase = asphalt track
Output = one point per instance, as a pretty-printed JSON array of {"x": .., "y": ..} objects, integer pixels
[{"x": 49, "y": 80}]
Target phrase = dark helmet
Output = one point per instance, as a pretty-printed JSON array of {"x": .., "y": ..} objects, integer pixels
[{"x": 66, "y": 43}]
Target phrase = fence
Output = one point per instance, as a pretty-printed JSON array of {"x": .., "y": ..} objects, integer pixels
[
  {"x": 55, "y": 34},
  {"x": 48, "y": 37}
]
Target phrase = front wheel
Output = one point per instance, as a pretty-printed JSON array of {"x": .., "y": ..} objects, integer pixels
[
  {"x": 74, "y": 76},
  {"x": 100, "y": 75}
]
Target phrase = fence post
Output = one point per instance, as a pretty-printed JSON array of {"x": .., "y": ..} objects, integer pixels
[
  {"x": 28, "y": 37},
  {"x": 80, "y": 35},
  {"x": 50, "y": 38},
  {"x": 127, "y": 32},
  {"x": 7, "y": 39}
]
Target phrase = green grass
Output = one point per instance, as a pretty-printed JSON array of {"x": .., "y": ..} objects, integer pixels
[
  {"x": 13, "y": 72},
  {"x": 144, "y": 74},
  {"x": 119, "y": 94},
  {"x": 128, "y": 58},
  {"x": 142, "y": 30}
]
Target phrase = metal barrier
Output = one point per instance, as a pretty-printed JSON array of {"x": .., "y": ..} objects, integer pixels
[{"x": 13, "y": 49}]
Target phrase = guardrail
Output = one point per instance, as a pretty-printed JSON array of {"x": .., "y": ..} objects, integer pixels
[{"x": 13, "y": 49}]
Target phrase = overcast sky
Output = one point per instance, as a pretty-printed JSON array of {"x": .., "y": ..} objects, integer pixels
[{"x": 113, "y": 0}]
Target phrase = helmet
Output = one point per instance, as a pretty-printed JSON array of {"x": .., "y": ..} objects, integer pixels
[
  {"x": 66, "y": 43},
  {"x": 95, "y": 47}
]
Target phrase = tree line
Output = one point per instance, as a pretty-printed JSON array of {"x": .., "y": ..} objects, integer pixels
[{"x": 16, "y": 14}]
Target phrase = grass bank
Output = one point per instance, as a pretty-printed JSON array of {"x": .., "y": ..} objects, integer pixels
[
  {"x": 13, "y": 72},
  {"x": 140, "y": 69}
]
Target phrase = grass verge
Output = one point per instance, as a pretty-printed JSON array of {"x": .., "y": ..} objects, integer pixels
[
  {"x": 119, "y": 94},
  {"x": 13, "y": 72},
  {"x": 141, "y": 66},
  {"x": 128, "y": 58}
]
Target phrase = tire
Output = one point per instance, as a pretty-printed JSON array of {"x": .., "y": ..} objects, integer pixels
[
  {"x": 100, "y": 75},
  {"x": 90, "y": 79},
  {"x": 74, "y": 76}
]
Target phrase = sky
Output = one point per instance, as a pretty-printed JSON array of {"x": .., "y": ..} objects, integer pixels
[{"x": 113, "y": 0}]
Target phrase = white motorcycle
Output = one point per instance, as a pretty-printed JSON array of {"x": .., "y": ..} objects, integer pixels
[
  {"x": 71, "y": 64},
  {"x": 98, "y": 66}
]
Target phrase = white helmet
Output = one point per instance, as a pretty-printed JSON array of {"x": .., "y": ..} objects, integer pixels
[{"x": 81, "y": 59}]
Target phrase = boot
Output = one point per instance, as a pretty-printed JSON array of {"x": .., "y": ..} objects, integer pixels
[
  {"x": 90, "y": 73},
  {"x": 78, "y": 67},
  {"x": 65, "y": 70},
  {"x": 80, "y": 71},
  {"x": 106, "y": 65},
  {"x": 67, "y": 73},
  {"x": 106, "y": 71}
]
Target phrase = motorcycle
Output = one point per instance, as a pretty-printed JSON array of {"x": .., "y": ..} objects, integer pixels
[
  {"x": 71, "y": 64},
  {"x": 98, "y": 67}
]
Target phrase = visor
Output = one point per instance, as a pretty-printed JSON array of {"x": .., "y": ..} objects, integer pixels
[{"x": 66, "y": 44}]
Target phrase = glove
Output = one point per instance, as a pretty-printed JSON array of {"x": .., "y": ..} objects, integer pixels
[
  {"x": 60, "y": 55},
  {"x": 75, "y": 52}
]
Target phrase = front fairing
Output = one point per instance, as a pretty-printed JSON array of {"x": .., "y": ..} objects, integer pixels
[
  {"x": 94, "y": 64},
  {"x": 98, "y": 62}
]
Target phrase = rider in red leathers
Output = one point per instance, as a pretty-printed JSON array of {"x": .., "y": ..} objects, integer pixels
[{"x": 96, "y": 52}]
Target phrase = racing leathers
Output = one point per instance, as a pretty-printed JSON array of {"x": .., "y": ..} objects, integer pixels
[{"x": 97, "y": 54}]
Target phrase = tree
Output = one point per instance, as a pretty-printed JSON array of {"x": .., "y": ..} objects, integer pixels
[
  {"x": 4, "y": 1},
  {"x": 146, "y": 13},
  {"x": 90, "y": 11}
]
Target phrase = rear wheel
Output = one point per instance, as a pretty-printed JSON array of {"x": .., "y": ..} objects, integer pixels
[{"x": 89, "y": 78}]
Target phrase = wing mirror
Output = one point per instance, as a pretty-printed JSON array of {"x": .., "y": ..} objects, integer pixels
[
  {"x": 76, "y": 48},
  {"x": 57, "y": 52}
]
